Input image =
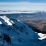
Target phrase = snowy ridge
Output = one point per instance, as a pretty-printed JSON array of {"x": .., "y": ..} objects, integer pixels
[
  {"x": 7, "y": 20},
  {"x": 14, "y": 33}
]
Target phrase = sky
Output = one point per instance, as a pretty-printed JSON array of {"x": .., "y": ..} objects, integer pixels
[
  {"x": 37, "y": 5},
  {"x": 22, "y": 0}
]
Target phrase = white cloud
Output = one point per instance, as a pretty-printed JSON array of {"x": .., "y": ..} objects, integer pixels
[{"x": 22, "y": 6}]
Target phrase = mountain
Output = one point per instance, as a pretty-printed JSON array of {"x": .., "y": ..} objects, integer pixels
[{"x": 15, "y": 33}]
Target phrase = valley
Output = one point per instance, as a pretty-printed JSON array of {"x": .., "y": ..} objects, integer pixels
[{"x": 38, "y": 26}]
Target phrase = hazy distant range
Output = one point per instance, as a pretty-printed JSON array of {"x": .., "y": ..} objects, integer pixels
[{"x": 27, "y": 16}]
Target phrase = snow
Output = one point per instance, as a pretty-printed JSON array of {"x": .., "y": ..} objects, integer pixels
[
  {"x": 0, "y": 22},
  {"x": 6, "y": 20},
  {"x": 42, "y": 36},
  {"x": 18, "y": 20}
]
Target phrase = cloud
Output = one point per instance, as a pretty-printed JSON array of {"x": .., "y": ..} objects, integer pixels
[{"x": 22, "y": 6}]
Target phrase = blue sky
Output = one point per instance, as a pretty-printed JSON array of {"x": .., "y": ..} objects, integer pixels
[
  {"x": 37, "y": 5},
  {"x": 22, "y": 0}
]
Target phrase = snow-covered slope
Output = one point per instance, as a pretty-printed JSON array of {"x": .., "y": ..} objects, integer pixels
[
  {"x": 18, "y": 32},
  {"x": 14, "y": 33}
]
